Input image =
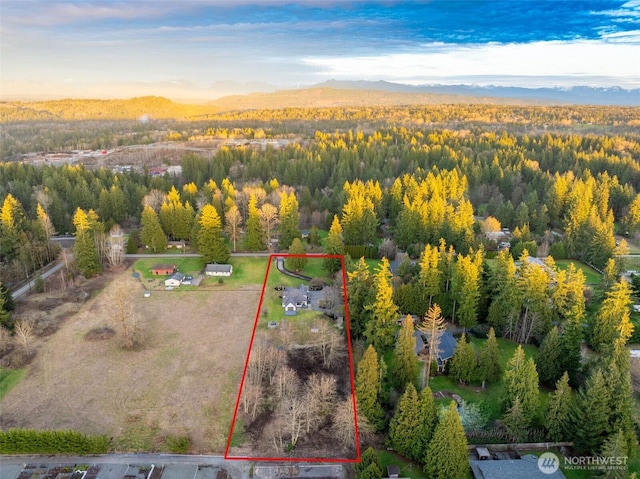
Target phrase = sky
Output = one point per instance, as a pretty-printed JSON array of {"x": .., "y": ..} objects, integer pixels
[{"x": 102, "y": 46}]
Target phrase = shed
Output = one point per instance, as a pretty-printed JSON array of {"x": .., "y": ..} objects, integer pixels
[
  {"x": 483, "y": 453},
  {"x": 163, "y": 269},
  {"x": 215, "y": 269},
  {"x": 393, "y": 471}
]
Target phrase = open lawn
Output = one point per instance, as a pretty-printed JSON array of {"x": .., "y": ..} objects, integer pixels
[
  {"x": 9, "y": 378},
  {"x": 182, "y": 381},
  {"x": 188, "y": 265},
  {"x": 489, "y": 397},
  {"x": 246, "y": 271},
  {"x": 591, "y": 275}
]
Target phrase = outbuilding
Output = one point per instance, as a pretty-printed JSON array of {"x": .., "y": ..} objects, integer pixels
[{"x": 215, "y": 269}]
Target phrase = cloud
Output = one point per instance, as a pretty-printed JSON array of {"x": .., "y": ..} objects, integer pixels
[{"x": 438, "y": 62}]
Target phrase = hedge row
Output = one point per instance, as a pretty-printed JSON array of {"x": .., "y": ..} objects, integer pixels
[
  {"x": 30, "y": 441},
  {"x": 358, "y": 251}
]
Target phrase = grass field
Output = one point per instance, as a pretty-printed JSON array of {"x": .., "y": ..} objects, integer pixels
[
  {"x": 182, "y": 381},
  {"x": 9, "y": 378},
  {"x": 591, "y": 275},
  {"x": 188, "y": 265}
]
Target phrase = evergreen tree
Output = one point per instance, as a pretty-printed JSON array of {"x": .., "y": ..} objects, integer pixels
[
  {"x": 369, "y": 457},
  {"x": 152, "y": 235},
  {"x": 334, "y": 245},
  {"x": 289, "y": 220},
  {"x": 430, "y": 276},
  {"x": 210, "y": 242},
  {"x": 447, "y": 455},
  {"x": 466, "y": 288},
  {"x": 296, "y": 263},
  {"x": 5, "y": 313},
  {"x": 515, "y": 422},
  {"x": 590, "y": 415},
  {"x": 314, "y": 236},
  {"x": 617, "y": 377},
  {"x": 380, "y": 329},
  {"x": 360, "y": 294},
  {"x": 429, "y": 416},
  {"x": 372, "y": 471},
  {"x": 558, "y": 415},
  {"x": 255, "y": 234},
  {"x": 571, "y": 345},
  {"x": 521, "y": 381},
  {"x": 506, "y": 302},
  {"x": 405, "y": 427},
  {"x": 548, "y": 362},
  {"x": 613, "y": 312},
  {"x": 616, "y": 447},
  {"x": 84, "y": 249},
  {"x": 464, "y": 363},
  {"x": 489, "y": 368},
  {"x": 368, "y": 387},
  {"x": 404, "y": 362}
]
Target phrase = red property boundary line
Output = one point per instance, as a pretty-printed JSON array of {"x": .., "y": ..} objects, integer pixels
[{"x": 351, "y": 371}]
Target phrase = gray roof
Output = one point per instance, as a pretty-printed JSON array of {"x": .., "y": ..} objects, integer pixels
[
  {"x": 447, "y": 345},
  {"x": 218, "y": 268},
  {"x": 177, "y": 276},
  {"x": 295, "y": 295},
  {"x": 527, "y": 467}
]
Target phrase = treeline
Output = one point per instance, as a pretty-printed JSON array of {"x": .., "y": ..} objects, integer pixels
[{"x": 30, "y": 441}]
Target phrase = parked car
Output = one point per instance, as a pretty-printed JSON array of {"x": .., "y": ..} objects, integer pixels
[{"x": 279, "y": 288}]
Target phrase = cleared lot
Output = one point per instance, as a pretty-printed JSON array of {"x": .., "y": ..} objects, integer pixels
[{"x": 181, "y": 382}]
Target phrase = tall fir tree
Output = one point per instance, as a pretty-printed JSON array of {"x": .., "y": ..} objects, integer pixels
[
  {"x": 404, "y": 363},
  {"x": 447, "y": 455},
  {"x": 571, "y": 345},
  {"x": 368, "y": 387},
  {"x": 334, "y": 245},
  {"x": 152, "y": 235},
  {"x": 429, "y": 415},
  {"x": 360, "y": 294},
  {"x": 254, "y": 238},
  {"x": 463, "y": 364},
  {"x": 369, "y": 458},
  {"x": 558, "y": 417},
  {"x": 380, "y": 329},
  {"x": 210, "y": 242},
  {"x": 506, "y": 301},
  {"x": 590, "y": 415},
  {"x": 466, "y": 288},
  {"x": 84, "y": 249},
  {"x": 405, "y": 427},
  {"x": 616, "y": 447},
  {"x": 515, "y": 421},
  {"x": 296, "y": 263},
  {"x": 548, "y": 362},
  {"x": 289, "y": 220},
  {"x": 430, "y": 276},
  {"x": 489, "y": 368},
  {"x": 613, "y": 311},
  {"x": 521, "y": 381}
]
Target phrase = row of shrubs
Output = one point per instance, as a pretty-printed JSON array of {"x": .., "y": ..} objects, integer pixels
[
  {"x": 30, "y": 441},
  {"x": 358, "y": 251}
]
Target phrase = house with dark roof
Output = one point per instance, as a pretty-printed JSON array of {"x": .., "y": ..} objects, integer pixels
[
  {"x": 526, "y": 467},
  {"x": 294, "y": 299},
  {"x": 163, "y": 269},
  {"x": 215, "y": 269},
  {"x": 446, "y": 348}
]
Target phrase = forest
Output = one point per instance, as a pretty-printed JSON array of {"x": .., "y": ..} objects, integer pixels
[{"x": 440, "y": 184}]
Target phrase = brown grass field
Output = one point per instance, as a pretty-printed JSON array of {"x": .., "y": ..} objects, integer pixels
[{"x": 182, "y": 380}]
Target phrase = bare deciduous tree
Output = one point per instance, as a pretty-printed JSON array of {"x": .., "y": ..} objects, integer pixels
[
  {"x": 286, "y": 383},
  {"x": 115, "y": 246},
  {"x": 6, "y": 341},
  {"x": 125, "y": 317},
  {"x": 252, "y": 398},
  {"x": 154, "y": 199},
  {"x": 24, "y": 334},
  {"x": 331, "y": 343},
  {"x": 319, "y": 399},
  {"x": 268, "y": 218},
  {"x": 233, "y": 220}
]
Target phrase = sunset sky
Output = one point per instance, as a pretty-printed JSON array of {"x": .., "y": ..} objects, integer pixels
[{"x": 297, "y": 43}]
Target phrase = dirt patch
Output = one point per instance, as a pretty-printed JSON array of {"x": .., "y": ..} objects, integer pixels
[
  {"x": 100, "y": 334},
  {"x": 181, "y": 382}
]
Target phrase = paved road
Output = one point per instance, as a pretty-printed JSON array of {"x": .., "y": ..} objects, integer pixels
[
  {"x": 188, "y": 463},
  {"x": 31, "y": 284}
]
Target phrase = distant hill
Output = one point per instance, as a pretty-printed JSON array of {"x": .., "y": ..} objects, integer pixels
[
  {"x": 72, "y": 109},
  {"x": 578, "y": 95},
  {"x": 323, "y": 96}
]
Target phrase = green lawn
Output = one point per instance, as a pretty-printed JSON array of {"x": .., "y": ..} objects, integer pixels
[
  {"x": 247, "y": 270},
  {"x": 408, "y": 468},
  {"x": 591, "y": 275},
  {"x": 9, "y": 378},
  {"x": 491, "y": 396},
  {"x": 187, "y": 265}
]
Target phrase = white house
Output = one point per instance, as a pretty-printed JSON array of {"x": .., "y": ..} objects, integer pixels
[
  {"x": 294, "y": 298},
  {"x": 174, "y": 280},
  {"x": 218, "y": 270}
]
